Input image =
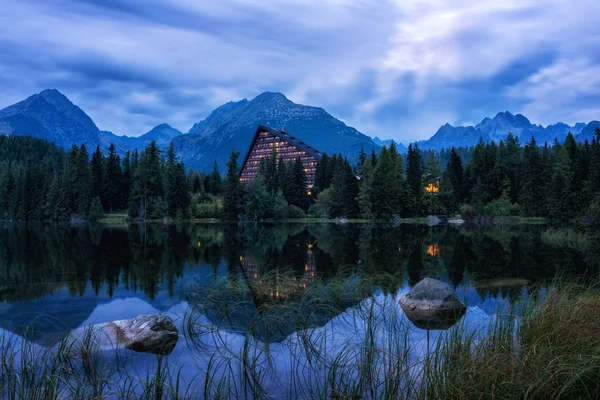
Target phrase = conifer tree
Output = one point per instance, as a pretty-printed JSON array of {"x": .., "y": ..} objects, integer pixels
[
  {"x": 295, "y": 190},
  {"x": 97, "y": 175},
  {"x": 83, "y": 183},
  {"x": 148, "y": 186},
  {"x": 530, "y": 193},
  {"x": 593, "y": 184},
  {"x": 232, "y": 194},
  {"x": 364, "y": 196},
  {"x": 216, "y": 184},
  {"x": 387, "y": 185},
  {"x": 270, "y": 173},
  {"x": 321, "y": 174},
  {"x": 125, "y": 185},
  {"x": 559, "y": 193},
  {"x": 414, "y": 180},
  {"x": 362, "y": 157},
  {"x": 178, "y": 199},
  {"x": 455, "y": 174},
  {"x": 112, "y": 180}
]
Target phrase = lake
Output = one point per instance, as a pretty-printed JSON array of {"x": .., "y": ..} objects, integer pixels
[{"x": 238, "y": 292}]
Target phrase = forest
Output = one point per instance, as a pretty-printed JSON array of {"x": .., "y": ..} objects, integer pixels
[{"x": 560, "y": 182}]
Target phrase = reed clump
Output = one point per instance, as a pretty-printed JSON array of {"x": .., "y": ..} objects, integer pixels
[{"x": 566, "y": 237}]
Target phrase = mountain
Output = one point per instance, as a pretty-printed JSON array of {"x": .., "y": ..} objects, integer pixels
[
  {"x": 217, "y": 117},
  {"x": 588, "y": 131},
  {"x": 232, "y": 126},
  {"x": 401, "y": 148},
  {"x": 51, "y": 116},
  {"x": 499, "y": 127},
  {"x": 162, "y": 134}
]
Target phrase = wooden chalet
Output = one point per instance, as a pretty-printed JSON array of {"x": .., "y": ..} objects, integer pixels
[{"x": 287, "y": 147}]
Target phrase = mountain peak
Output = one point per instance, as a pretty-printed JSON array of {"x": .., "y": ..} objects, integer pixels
[
  {"x": 50, "y": 92},
  {"x": 270, "y": 96},
  {"x": 504, "y": 114},
  {"x": 162, "y": 126}
]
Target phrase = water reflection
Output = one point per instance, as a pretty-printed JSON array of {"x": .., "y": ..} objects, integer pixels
[{"x": 62, "y": 273}]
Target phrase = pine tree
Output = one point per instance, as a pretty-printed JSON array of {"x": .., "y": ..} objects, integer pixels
[
  {"x": 97, "y": 175},
  {"x": 455, "y": 174},
  {"x": 216, "y": 184},
  {"x": 531, "y": 180},
  {"x": 282, "y": 175},
  {"x": 560, "y": 194},
  {"x": 83, "y": 183},
  {"x": 362, "y": 157},
  {"x": 113, "y": 180},
  {"x": 593, "y": 183},
  {"x": 148, "y": 185},
  {"x": 387, "y": 185},
  {"x": 295, "y": 190},
  {"x": 364, "y": 196},
  {"x": 321, "y": 174},
  {"x": 350, "y": 192},
  {"x": 414, "y": 180},
  {"x": 232, "y": 201},
  {"x": 178, "y": 199}
]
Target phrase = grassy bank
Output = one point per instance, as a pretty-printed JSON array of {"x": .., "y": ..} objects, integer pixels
[{"x": 345, "y": 341}]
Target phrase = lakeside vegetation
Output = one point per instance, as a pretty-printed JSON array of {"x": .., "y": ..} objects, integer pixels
[{"x": 546, "y": 346}]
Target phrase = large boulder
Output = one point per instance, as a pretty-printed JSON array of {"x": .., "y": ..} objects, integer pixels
[
  {"x": 432, "y": 304},
  {"x": 155, "y": 334}
]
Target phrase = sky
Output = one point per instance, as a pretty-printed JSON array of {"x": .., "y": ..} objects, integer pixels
[{"x": 390, "y": 68}]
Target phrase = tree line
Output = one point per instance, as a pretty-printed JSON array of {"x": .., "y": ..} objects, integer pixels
[
  {"x": 558, "y": 181},
  {"x": 561, "y": 181},
  {"x": 39, "y": 182}
]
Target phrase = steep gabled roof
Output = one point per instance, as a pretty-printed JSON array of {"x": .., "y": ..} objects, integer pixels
[{"x": 283, "y": 136}]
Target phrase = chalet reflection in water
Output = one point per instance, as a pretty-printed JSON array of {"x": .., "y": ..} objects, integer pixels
[
  {"x": 267, "y": 141},
  {"x": 275, "y": 289}
]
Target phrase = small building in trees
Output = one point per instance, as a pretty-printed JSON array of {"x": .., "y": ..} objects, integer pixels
[
  {"x": 287, "y": 147},
  {"x": 432, "y": 184}
]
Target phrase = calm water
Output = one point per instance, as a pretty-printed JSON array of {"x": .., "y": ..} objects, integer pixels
[{"x": 59, "y": 278}]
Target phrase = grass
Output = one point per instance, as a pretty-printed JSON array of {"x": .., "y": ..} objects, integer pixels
[
  {"x": 566, "y": 237},
  {"x": 340, "y": 339}
]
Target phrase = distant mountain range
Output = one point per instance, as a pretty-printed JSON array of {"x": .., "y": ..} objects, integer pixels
[
  {"x": 52, "y": 116},
  {"x": 501, "y": 125},
  {"x": 388, "y": 142}
]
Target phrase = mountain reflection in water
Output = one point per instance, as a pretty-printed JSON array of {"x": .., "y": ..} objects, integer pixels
[{"x": 60, "y": 277}]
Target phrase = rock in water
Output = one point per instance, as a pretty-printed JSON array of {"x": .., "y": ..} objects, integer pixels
[
  {"x": 432, "y": 304},
  {"x": 147, "y": 333},
  {"x": 155, "y": 334}
]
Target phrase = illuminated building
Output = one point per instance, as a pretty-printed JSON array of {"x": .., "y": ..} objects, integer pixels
[{"x": 287, "y": 147}]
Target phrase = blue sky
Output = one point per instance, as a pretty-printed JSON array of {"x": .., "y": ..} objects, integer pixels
[{"x": 391, "y": 68}]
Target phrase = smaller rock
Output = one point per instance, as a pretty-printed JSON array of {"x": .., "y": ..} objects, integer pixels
[{"x": 432, "y": 304}]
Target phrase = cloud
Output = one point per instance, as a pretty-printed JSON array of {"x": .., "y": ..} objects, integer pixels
[
  {"x": 392, "y": 68},
  {"x": 568, "y": 91}
]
